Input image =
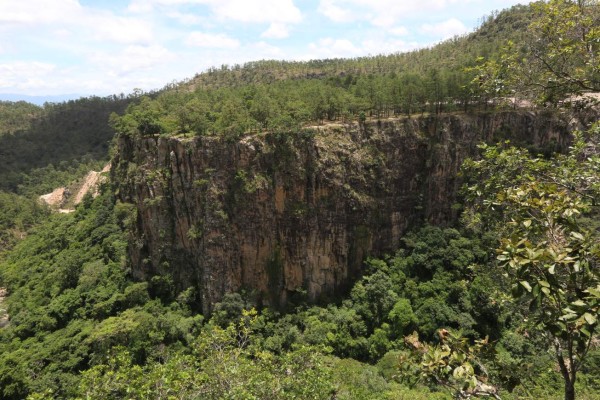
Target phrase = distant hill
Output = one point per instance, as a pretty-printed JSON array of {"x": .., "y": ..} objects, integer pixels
[
  {"x": 39, "y": 100},
  {"x": 57, "y": 137},
  {"x": 494, "y": 31},
  {"x": 17, "y": 116}
]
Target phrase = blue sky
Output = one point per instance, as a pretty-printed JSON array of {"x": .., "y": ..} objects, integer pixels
[{"x": 101, "y": 47}]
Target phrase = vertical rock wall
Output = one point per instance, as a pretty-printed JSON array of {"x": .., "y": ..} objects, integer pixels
[{"x": 278, "y": 214}]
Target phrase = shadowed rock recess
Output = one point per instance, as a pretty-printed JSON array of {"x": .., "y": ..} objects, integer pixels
[{"x": 284, "y": 214}]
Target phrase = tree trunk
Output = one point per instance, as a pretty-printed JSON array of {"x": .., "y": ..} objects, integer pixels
[
  {"x": 569, "y": 389},
  {"x": 567, "y": 370}
]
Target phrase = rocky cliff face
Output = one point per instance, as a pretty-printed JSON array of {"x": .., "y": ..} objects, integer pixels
[{"x": 279, "y": 214}]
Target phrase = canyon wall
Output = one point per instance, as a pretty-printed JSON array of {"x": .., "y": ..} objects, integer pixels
[{"x": 281, "y": 215}]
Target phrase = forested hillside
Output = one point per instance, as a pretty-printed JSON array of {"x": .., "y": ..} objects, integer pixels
[
  {"x": 452, "y": 54},
  {"x": 41, "y": 146},
  {"x": 279, "y": 95},
  {"x": 17, "y": 116},
  {"x": 501, "y": 301}
]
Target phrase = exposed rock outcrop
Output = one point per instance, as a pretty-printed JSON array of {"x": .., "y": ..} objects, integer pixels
[
  {"x": 61, "y": 197},
  {"x": 56, "y": 198},
  {"x": 279, "y": 214},
  {"x": 90, "y": 184}
]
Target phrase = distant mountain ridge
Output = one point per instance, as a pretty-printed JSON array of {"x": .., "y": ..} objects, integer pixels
[{"x": 40, "y": 100}]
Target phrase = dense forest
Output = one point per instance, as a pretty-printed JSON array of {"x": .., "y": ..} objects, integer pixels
[{"x": 503, "y": 302}]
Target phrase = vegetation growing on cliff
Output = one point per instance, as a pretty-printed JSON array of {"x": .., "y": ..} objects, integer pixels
[{"x": 18, "y": 214}]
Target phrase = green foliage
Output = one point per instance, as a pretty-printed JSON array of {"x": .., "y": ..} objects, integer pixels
[
  {"x": 564, "y": 47},
  {"x": 359, "y": 381},
  {"x": 453, "y": 364},
  {"x": 340, "y": 328},
  {"x": 229, "y": 310},
  {"x": 373, "y": 297},
  {"x": 557, "y": 58},
  {"x": 70, "y": 300},
  {"x": 17, "y": 215},
  {"x": 402, "y": 317},
  {"x": 17, "y": 116},
  {"x": 142, "y": 118},
  {"x": 548, "y": 247},
  {"x": 437, "y": 275},
  {"x": 224, "y": 363}
]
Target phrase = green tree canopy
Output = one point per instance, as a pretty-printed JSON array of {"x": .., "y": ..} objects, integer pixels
[{"x": 545, "y": 211}]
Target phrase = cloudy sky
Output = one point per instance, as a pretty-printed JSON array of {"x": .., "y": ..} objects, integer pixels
[{"x": 101, "y": 47}]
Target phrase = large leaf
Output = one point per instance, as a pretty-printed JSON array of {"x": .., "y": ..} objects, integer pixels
[
  {"x": 526, "y": 285},
  {"x": 590, "y": 319}
]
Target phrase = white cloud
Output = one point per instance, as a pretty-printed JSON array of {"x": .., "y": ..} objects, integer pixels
[
  {"x": 332, "y": 48},
  {"x": 38, "y": 11},
  {"x": 262, "y": 50},
  {"x": 185, "y": 18},
  {"x": 380, "y": 13},
  {"x": 102, "y": 47},
  {"x": 210, "y": 57},
  {"x": 398, "y": 31},
  {"x": 276, "y": 31},
  {"x": 121, "y": 29},
  {"x": 387, "y": 13},
  {"x": 256, "y": 10},
  {"x": 343, "y": 48},
  {"x": 140, "y": 7},
  {"x": 252, "y": 11},
  {"x": 445, "y": 29},
  {"x": 62, "y": 33},
  {"x": 70, "y": 16},
  {"x": 335, "y": 12},
  {"x": 25, "y": 75},
  {"x": 376, "y": 46},
  {"x": 131, "y": 58},
  {"x": 214, "y": 40}
]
